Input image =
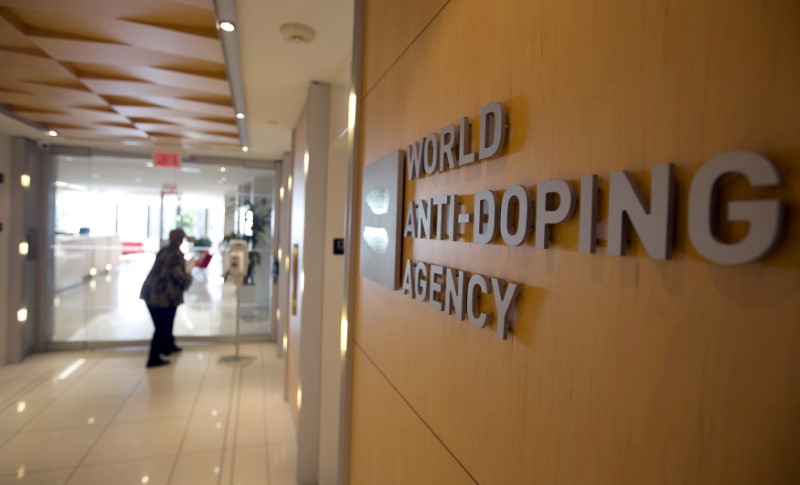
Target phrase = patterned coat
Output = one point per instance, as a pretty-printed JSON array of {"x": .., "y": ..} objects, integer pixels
[{"x": 167, "y": 281}]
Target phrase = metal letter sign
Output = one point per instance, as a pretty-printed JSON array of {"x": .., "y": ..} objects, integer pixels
[{"x": 512, "y": 215}]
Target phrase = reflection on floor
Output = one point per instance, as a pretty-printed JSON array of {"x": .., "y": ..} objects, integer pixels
[
  {"x": 107, "y": 307},
  {"x": 100, "y": 417}
]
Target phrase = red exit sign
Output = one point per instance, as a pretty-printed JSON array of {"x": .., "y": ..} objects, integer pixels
[{"x": 165, "y": 159}]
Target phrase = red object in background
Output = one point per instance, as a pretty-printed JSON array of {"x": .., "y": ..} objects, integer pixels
[
  {"x": 205, "y": 258},
  {"x": 132, "y": 247},
  {"x": 166, "y": 159}
]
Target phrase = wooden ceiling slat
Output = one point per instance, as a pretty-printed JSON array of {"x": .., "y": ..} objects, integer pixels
[
  {"x": 204, "y": 125},
  {"x": 87, "y": 67},
  {"x": 181, "y": 13},
  {"x": 45, "y": 101},
  {"x": 71, "y": 114},
  {"x": 191, "y": 106},
  {"x": 102, "y": 130},
  {"x": 132, "y": 88},
  {"x": 116, "y": 55},
  {"x": 182, "y": 130},
  {"x": 34, "y": 63},
  {"x": 168, "y": 77}
]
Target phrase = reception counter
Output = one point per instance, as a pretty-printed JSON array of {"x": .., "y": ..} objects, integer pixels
[{"x": 75, "y": 256}]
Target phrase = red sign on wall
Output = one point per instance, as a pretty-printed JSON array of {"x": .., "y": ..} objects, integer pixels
[{"x": 165, "y": 159}]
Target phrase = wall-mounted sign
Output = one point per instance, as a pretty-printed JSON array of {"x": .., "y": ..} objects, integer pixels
[
  {"x": 527, "y": 215},
  {"x": 381, "y": 210},
  {"x": 167, "y": 159}
]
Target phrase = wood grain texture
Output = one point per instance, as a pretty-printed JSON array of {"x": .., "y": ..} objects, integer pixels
[
  {"x": 620, "y": 370},
  {"x": 394, "y": 25},
  {"x": 412, "y": 455}
]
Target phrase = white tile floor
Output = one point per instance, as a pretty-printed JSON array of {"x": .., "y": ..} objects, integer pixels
[{"x": 195, "y": 421}]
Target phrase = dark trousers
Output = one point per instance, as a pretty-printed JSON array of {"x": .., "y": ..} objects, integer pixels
[{"x": 163, "y": 342}]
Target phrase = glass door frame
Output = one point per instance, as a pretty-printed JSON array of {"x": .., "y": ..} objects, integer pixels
[{"x": 45, "y": 329}]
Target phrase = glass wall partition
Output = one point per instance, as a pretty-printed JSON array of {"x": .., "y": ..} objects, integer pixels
[{"x": 113, "y": 214}]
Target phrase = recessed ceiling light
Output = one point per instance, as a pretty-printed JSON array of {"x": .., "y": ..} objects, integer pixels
[
  {"x": 52, "y": 133},
  {"x": 245, "y": 149},
  {"x": 222, "y": 169},
  {"x": 239, "y": 116},
  {"x": 227, "y": 26}
]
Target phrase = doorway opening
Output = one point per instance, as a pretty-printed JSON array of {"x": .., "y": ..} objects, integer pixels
[{"x": 112, "y": 214}]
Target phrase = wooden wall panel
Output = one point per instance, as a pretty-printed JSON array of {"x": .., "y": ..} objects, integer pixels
[
  {"x": 393, "y": 26},
  {"x": 620, "y": 369},
  {"x": 412, "y": 454}
]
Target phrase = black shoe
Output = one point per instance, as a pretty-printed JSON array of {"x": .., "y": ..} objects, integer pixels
[
  {"x": 173, "y": 350},
  {"x": 156, "y": 363}
]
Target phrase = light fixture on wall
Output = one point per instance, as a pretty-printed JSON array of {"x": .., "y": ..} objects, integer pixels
[
  {"x": 305, "y": 163},
  {"x": 22, "y": 315},
  {"x": 52, "y": 133},
  {"x": 245, "y": 149},
  {"x": 351, "y": 111},
  {"x": 343, "y": 334},
  {"x": 297, "y": 33},
  {"x": 23, "y": 248},
  {"x": 239, "y": 116},
  {"x": 280, "y": 193},
  {"x": 290, "y": 182},
  {"x": 25, "y": 180},
  {"x": 299, "y": 396},
  {"x": 227, "y": 26}
]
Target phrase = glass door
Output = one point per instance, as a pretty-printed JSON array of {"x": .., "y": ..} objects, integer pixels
[{"x": 112, "y": 216}]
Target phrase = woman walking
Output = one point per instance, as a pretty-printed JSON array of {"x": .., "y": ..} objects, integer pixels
[{"x": 162, "y": 291}]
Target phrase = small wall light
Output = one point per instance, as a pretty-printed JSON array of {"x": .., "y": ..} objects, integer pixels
[
  {"x": 23, "y": 249},
  {"x": 25, "y": 180}
]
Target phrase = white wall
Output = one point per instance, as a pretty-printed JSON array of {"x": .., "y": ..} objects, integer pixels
[
  {"x": 336, "y": 197},
  {"x": 283, "y": 222},
  {"x": 308, "y": 232},
  {"x": 5, "y": 245}
]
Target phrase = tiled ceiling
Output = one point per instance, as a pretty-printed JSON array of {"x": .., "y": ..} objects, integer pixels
[{"x": 124, "y": 70}]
